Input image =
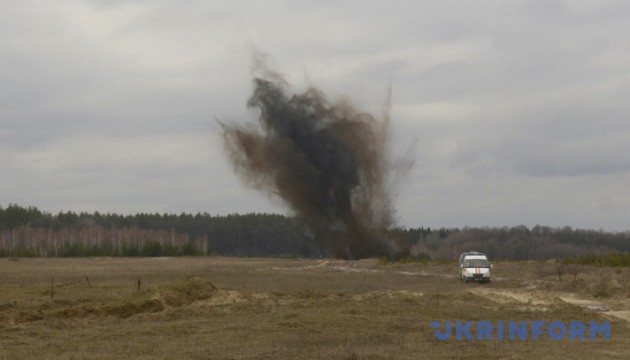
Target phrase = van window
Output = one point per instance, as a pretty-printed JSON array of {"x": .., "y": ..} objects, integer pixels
[{"x": 476, "y": 263}]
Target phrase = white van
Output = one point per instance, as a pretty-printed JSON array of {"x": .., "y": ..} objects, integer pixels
[{"x": 474, "y": 266}]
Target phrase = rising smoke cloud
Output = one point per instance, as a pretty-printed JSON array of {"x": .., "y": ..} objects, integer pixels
[{"x": 326, "y": 160}]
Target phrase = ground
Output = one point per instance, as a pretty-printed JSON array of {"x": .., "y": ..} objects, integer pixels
[{"x": 239, "y": 308}]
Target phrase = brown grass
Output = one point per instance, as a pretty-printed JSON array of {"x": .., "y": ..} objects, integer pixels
[{"x": 220, "y": 308}]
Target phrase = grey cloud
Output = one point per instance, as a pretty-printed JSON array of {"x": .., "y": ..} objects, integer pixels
[{"x": 503, "y": 97}]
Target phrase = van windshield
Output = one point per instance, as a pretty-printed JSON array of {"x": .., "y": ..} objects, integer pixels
[{"x": 476, "y": 263}]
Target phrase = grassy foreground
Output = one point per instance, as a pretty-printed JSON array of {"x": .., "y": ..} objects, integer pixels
[{"x": 231, "y": 308}]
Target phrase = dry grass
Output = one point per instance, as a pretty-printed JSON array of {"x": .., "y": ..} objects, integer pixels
[{"x": 219, "y": 308}]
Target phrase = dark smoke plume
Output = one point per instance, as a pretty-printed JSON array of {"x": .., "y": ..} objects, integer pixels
[{"x": 326, "y": 160}]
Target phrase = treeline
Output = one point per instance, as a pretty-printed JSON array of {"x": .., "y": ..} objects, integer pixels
[
  {"x": 520, "y": 243},
  {"x": 27, "y": 231}
]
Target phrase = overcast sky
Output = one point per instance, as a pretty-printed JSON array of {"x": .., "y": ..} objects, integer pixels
[{"x": 520, "y": 108}]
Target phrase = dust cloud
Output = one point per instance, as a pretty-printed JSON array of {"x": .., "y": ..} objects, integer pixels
[{"x": 327, "y": 161}]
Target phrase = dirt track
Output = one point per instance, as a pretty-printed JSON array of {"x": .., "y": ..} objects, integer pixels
[{"x": 526, "y": 295}]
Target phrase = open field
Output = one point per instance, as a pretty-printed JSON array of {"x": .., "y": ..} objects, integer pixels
[{"x": 237, "y": 308}]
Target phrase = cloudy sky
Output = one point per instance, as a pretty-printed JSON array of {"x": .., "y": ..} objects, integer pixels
[{"x": 520, "y": 108}]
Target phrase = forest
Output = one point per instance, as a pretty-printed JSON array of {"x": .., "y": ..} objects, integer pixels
[{"x": 26, "y": 231}]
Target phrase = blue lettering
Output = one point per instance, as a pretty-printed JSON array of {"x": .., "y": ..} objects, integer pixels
[
  {"x": 557, "y": 325},
  {"x": 513, "y": 329},
  {"x": 463, "y": 329},
  {"x": 596, "y": 329},
  {"x": 484, "y": 330},
  {"x": 537, "y": 329},
  {"x": 438, "y": 334},
  {"x": 576, "y": 330},
  {"x": 556, "y": 330}
]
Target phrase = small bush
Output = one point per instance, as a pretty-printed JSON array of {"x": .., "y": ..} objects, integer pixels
[{"x": 602, "y": 292}]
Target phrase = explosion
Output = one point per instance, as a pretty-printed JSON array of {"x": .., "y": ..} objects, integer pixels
[{"x": 327, "y": 161}]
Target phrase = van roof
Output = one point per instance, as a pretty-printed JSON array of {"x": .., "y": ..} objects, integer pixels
[{"x": 473, "y": 253}]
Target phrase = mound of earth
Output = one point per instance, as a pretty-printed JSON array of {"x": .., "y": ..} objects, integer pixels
[
  {"x": 186, "y": 291},
  {"x": 151, "y": 300}
]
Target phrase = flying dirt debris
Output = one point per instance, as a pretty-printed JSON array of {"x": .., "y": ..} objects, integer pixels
[{"x": 326, "y": 160}]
